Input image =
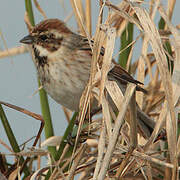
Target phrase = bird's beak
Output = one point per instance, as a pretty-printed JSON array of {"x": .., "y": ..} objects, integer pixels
[{"x": 27, "y": 39}]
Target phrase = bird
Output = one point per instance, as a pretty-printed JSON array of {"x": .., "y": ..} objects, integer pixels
[{"x": 63, "y": 61}]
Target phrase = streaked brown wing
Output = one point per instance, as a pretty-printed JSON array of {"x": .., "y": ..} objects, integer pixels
[
  {"x": 84, "y": 45},
  {"x": 117, "y": 72},
  {"x": 124, "y": 77}
]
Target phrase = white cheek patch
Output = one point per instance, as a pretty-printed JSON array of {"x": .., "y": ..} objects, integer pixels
[
  {"x": 42, "y": 51},
  {"x": 56, "y": 34}
]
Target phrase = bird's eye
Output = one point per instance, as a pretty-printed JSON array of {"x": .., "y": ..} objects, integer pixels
[{"x": 43, "y": 37}]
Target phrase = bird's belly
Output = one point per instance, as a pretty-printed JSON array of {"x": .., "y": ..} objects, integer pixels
[
  {"x": 64, "y": 96},
  {"x": 63, "y": 86}
]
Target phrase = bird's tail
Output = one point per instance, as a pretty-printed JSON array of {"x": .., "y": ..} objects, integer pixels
[{"x": 145, "y": 123}]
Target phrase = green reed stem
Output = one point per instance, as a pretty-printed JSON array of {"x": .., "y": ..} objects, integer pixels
[
  {"x": 69, "y": 129},
  {"x": 11, "y": 138},
  {"x": 126, "y": 39},
  {"x": 43, "y": 96}
]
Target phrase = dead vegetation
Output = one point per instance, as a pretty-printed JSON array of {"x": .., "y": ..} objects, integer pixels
[{"x": 111, "y": 146}]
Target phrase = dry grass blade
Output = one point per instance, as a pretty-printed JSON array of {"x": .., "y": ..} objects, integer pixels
[
  {"x": 147, "y": 157},
  {"x": 141, "y": 73},
  {"x": 34, "y": 115},
  {"x": 119, "y": 121},
  {"x": 79, "y": 15},
  {"x": 88, "y": 16},
  {"x": 79, "y": 5},
  {"x": 171, "y": 4},
  {"x": 86, "y": 96},
  {"x": 108, "y": 146},
  {"x": 15, "y": 174},
  {"x": 40, "y": 9},
  {"x": 31, "y": 152},
  {"x": 39, "y": 172},
  {"x": 56, "y": 170},
  {"x": 67, "y": 113},
  {"x": 156, "y": 44},
  {"x": 101, "y": 147},
  {"x": 107, "y": 59},
  {"x": 158, "y": 126},
  {"x": 2, "y": 177},
  {"x": 176, "y": 42},
  {"x": 118, "y": 21},
  {"x": 76, "y": 161},
  {"x": 115, "y": 93},
  {"x": 106, "y": 116},
  {"x": 123, "y": 14},
  {"x": 175, "y": 76},
  {"x": 28, "y": 23},
  {"x": 6, "y": 146}
]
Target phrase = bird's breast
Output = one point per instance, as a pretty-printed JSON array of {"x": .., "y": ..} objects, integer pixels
[{"x": 64, "y": 80}]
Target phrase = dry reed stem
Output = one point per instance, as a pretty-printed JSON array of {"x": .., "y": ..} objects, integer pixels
[
  {"x": 85, "y": 98},
  {"x": 115, "y": 93},
  {"x": 105, "y": 130},
  {"x": 15, "y": 174},
  {"x": 158, "y": 126},
  {"x": 148, "y": 157},
  {"x": 129, "y": 91},
  {"x": 170, "y": 8},
  {"x": 106, "y": 117},
  {"x": 107, "y": 59},
  {"x": 123, "y": 14},
  {"x": 13, "y": 51},
  {"x": 141, "y": 70},
  {"x": 6, "y": 146},
  {"x": 119, "y": 22},
  {"x": 38, "y": 172},
  {"x": 176, "y": 42},
  {"x": 28, "y": 23},
  {"x": 25, "y": 111},
  {"x": 101, "y": 147},
  {"x": 55, "y": 172},
  {"x": 133, "y": 136},
  {"x": 154, "y": 10},
  {"x": 76, "y": 161},
  {"x": 176, "y": 88},
  {"x": 29, "y": 153},
  {"x": 155, "y": 41},
  {"x": 40, "y": 9},
  {"x": 133, "y": 122},
  {"x": 67, "y": 113},
  {"x": 88, "y": 17},
  {"x": 79, "y": 5},
  {"x": 79, "y": 17}
]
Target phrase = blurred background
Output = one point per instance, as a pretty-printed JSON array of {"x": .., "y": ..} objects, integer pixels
[{"x": 18, "y": 80}]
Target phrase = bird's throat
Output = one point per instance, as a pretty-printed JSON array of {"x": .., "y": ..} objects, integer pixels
[{"x": 40, "y": 59}]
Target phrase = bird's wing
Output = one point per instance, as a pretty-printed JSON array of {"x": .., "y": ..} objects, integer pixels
[
  {"x": 124, "y": 77},
  {"x": 116, "y": 72}
]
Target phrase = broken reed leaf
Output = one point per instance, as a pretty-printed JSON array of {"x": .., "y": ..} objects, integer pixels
[
  {"x": 107, "y": 59},
  {"x": 151, "y": 31}
]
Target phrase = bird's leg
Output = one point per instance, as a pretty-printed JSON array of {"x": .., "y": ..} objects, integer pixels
[{"x": 84, "y": 134}]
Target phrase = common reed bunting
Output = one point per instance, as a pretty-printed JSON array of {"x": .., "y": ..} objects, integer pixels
[{"x": 63, "y": 61}]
